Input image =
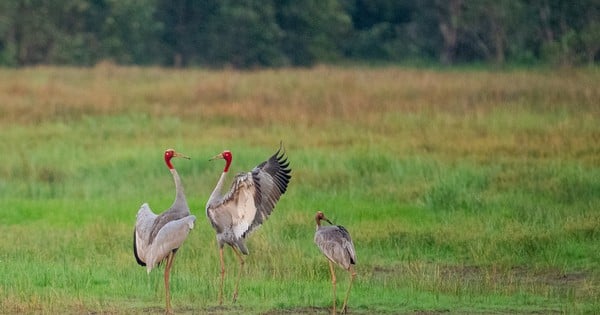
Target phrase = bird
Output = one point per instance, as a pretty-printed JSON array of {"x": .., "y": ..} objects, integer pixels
[
  {"x": 156, "y": 238},
  {"x": 249, "y": 202},
  {"x": 335, "y": 243}
]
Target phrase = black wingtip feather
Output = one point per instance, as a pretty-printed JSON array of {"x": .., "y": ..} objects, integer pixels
[
  {"x": 137, "y": 258},
  {"x": 278, "y": 168}
]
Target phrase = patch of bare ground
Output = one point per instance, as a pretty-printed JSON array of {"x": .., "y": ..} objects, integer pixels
[
  {"x": 506, "y": 280},
  {"x": 208, "y": 310},
  {"x": 521, "y": 274},
  {"x": 298, "y": 310}
]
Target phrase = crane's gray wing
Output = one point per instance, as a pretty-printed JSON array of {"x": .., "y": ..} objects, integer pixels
[
  {"x": 164, "y": 218},
  {"x": 271, "y": 179},
  {"x": 347, "y": 244},
  {"x": 170, "y": 237},
  {"x": 252, "y": 197},
  {"x": 335, "y": 243},
  {"x": 141, "y": 235}
]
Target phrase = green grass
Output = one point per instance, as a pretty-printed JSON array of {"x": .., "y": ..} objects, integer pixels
[{"x": 464, "y": 191}]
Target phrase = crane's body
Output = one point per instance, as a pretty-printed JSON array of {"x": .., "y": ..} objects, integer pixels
[
  {"x": 335, "y": 243},
  {"x": 158, "y": 235},
  {"x": 249, "y": 202},
  {"x": 157, "y": 238}
]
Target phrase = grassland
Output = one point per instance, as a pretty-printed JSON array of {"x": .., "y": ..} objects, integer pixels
[{"x": 464, "y": 191}]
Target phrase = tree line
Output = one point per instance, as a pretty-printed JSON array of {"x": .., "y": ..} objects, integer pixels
[{"x": 276, "y": 33}]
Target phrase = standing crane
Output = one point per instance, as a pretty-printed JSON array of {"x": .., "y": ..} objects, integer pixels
[
  {"x": 335, "y": 243},
  {"x": 157, "y": 238},
  {"x": 248, "y": 203}
]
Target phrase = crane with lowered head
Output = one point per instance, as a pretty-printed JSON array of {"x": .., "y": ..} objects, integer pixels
[{"x": 335, "y": 243}]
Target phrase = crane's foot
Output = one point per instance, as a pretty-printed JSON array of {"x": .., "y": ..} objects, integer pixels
[{"x": 235, "y": 297}]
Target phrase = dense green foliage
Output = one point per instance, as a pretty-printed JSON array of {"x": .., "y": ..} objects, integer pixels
[
  {"x": 465, "y": 192},
  {"x": 273, "y": 33}
]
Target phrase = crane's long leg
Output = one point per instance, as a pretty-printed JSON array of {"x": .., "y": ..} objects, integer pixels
[
  {"x": 170, "y": 259},
  {"x": 222, "y": 275},
  {"x": 333, "y": 284},
  {"x": 237, "y": 281},
  {"x": 352, "y": 275}
]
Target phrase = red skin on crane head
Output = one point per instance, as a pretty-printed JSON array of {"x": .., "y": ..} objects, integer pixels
[
  {"x": 169, "y": 154},
  {"x": 225, "y": 155}
]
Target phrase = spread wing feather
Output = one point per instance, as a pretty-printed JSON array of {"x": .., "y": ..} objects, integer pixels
[
  {"x": 251, "y": 199},
  {"x": 271, "y": 179}
]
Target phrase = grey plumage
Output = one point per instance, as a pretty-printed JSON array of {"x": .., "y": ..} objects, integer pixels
[
  {"x": 335, "y": 243},
  {"x": 249, "y": 202},
  {"x": 157, "y": 238}
]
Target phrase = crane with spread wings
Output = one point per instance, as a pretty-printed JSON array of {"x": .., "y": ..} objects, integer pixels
[{"x": 249, "y": 202}]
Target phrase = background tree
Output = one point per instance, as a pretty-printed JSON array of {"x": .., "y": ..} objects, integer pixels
[
  {"x": 274, "y": 33},
  {"x": 185, "y": 37},
  {"x": 128, "y": 32},
  {"x": 244, "y": 34},
  {"x": 449, "y": 19},
  {"x": 312, "y": 30}
]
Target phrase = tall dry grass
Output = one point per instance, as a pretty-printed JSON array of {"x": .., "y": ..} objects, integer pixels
[
  {"x": 479, "y": 111},
  {"x": 290, "y": 95}
]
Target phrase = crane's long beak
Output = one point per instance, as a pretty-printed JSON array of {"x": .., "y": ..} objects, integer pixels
[
  {"x": 218, "y": 156},
  {"x": 176, "y": 154},
  {"x": 327, "y": 220}
]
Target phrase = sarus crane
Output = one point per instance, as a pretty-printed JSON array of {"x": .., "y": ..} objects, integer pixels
[
  {"x": 248, "y": 203},
  {"x": 335, "y": 243},
  {"x": 157, "y": 238}
]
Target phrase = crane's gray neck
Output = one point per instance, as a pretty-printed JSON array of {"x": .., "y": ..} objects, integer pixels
[
  {"x": 180, "y": 204},
  {"x": 319, "y": 226},
  {"x": 216, "y": 194}
]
